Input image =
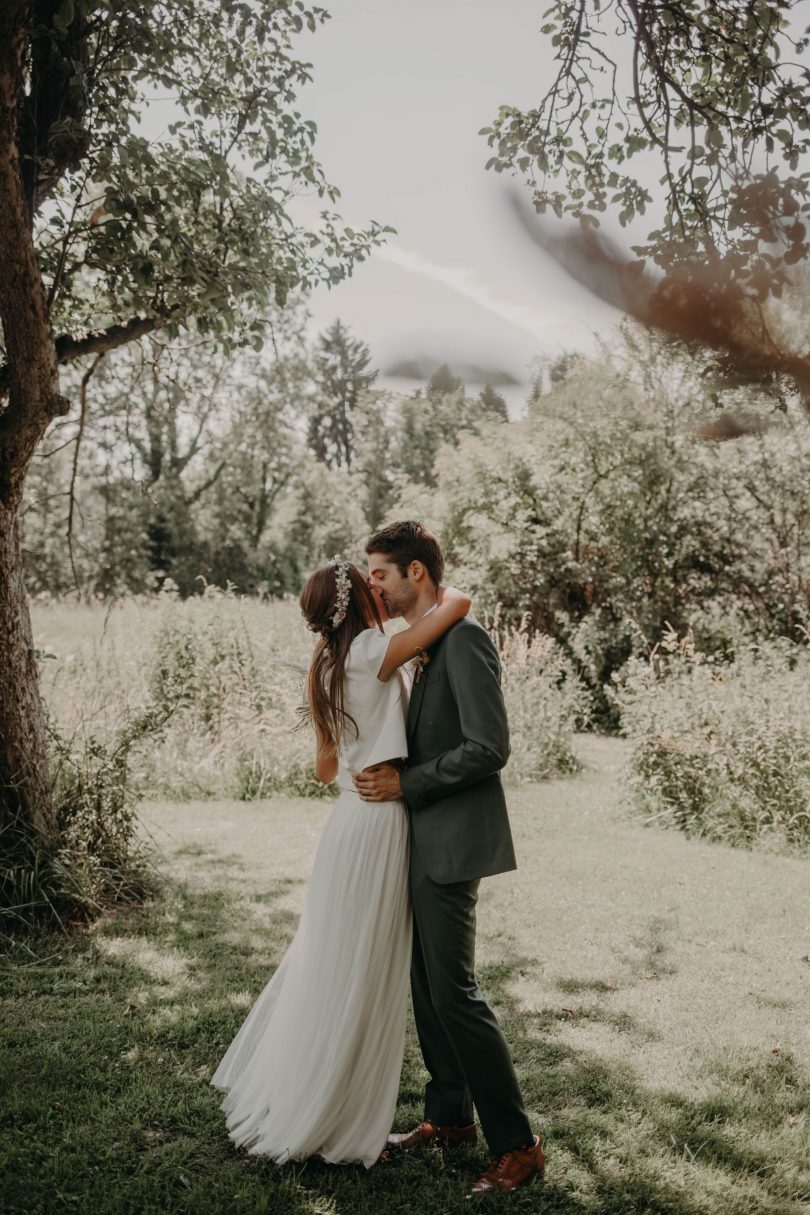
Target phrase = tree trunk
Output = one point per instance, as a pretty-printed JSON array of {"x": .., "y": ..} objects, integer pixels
[
  {"x": 25, "y": 788},
  {"x": 33, "y": 401}
]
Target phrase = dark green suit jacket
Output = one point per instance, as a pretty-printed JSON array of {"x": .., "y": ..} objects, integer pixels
[{"x": 458, "y": 740}]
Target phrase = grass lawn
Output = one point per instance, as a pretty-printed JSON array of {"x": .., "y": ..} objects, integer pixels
[{"x": 654, "y": 989}]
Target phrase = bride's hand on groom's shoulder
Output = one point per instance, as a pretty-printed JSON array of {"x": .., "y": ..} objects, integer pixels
[{"x": 446, "y": 594}]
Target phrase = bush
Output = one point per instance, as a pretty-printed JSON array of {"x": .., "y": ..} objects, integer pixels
[
  {"x": 721, "y": 751},
  {"x": 98, "y": 856},
  {"x": 605, "y": 517},
  {"x": 546, "y": 702}
]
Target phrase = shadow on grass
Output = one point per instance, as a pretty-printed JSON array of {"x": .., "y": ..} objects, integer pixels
[
  {"x": 625, "y": 1147},
  {"x": 108, "y": 1106}
]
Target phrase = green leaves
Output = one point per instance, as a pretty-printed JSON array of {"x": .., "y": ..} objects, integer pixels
[
  {"x": 716, "y": 95},
  {"x": 181, "y": 207},
  {"x": 64, "y": 15}
]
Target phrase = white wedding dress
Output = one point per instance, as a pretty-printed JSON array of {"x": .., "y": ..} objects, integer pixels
[{"x": 314, "y": 1069}]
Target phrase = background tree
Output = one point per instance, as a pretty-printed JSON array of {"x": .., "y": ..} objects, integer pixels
[
  {"x": 106, "y": 235},
  {"x": 434, "y": 418},
  {"x": 375, "y": 474},
  {"x": 261, "y": 448},
  {"x": 342, "y": 373},
  {"x": 604, "y": 519},
  {"x": 166, "y": 400},
  {"x": 493, "y": 405}
]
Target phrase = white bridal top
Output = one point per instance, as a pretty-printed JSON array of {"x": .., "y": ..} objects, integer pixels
[{"x": 379, "y": 709}]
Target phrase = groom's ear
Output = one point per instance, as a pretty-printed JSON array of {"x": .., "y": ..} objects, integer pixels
[{"x": 417, "y": 571}]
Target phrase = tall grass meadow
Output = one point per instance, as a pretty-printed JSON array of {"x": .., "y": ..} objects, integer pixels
[{"x": 227, "y": 675}]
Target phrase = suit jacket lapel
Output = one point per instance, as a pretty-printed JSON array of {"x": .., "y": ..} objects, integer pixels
[{"x": 417, "y": 689}]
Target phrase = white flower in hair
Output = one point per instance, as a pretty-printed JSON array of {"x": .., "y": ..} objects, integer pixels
[{"x": 344, "y": 589}]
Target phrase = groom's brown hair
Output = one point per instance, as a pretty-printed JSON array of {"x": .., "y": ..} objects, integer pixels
[{"x": 406, "y": 542}]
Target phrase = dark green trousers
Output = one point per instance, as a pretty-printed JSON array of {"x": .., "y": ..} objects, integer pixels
[{"x": 462, "y": 1043}]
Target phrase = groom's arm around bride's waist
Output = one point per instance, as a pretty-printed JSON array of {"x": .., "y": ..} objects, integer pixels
[{"x": 473, "y": 682}]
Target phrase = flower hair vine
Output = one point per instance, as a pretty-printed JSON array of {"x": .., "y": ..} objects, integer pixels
[{"x": 344, "y": 588}]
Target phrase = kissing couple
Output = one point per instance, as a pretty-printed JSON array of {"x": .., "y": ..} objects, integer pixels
[{"x": 412, "y": 728}]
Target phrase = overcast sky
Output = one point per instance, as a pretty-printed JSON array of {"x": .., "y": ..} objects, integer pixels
[{"x": 399, "y": 95}]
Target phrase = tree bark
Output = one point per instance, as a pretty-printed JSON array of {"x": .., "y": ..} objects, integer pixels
[
  {"x": 33, "y": 401},
  {"x": 25, "y": 787}
]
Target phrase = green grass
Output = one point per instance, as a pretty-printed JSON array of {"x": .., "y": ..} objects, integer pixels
[{"x": 654, "y": 990}]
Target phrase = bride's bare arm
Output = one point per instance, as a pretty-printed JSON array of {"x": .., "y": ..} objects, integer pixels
[
  {"x": 326, "y": 762},
  {"x": 453, "y": 605}
]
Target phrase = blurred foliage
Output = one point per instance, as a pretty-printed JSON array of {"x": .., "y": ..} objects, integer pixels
[{"x": 208, "y": 469}]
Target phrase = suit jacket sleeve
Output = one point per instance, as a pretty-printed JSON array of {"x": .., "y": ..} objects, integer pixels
[{"x": 473, "y": 670}]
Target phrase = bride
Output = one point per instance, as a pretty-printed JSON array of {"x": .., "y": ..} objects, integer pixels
[{"x": 314, "y": 1069}]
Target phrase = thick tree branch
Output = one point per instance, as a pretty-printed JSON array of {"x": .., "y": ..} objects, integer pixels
[{"x": 99, "y": 341}]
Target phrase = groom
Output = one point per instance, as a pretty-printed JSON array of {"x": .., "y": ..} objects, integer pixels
[{"x": 458, "y": 740}]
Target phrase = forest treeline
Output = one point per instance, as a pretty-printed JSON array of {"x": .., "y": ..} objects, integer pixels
[
  {"x": 604, "y": 515},
  {"x": 199, "y": 468}
]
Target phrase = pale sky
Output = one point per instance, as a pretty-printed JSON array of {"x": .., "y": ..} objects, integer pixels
[{"x": 399, "y": 95}]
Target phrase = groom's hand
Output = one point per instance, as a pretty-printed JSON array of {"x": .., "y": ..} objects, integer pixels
[{"x": 379, "y": 783}]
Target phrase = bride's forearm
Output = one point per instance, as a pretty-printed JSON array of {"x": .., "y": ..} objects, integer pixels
[{"x": 452, "y": 606}]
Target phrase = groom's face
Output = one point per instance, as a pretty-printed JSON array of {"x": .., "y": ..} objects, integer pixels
[{"x": 398, "y": 593}]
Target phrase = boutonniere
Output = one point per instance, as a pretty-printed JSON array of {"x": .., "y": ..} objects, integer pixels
[{"x": 421, "y": 659}]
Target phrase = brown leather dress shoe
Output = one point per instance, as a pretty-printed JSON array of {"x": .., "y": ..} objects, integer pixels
[
  {"x": 432, "y": 1132},
  {"x": 512, "y": 1169}
]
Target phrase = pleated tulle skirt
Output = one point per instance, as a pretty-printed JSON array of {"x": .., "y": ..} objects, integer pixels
[{"x": 314, "y": 1069}]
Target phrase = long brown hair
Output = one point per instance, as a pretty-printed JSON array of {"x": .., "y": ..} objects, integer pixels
[{"x": 325, "y": 682}]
